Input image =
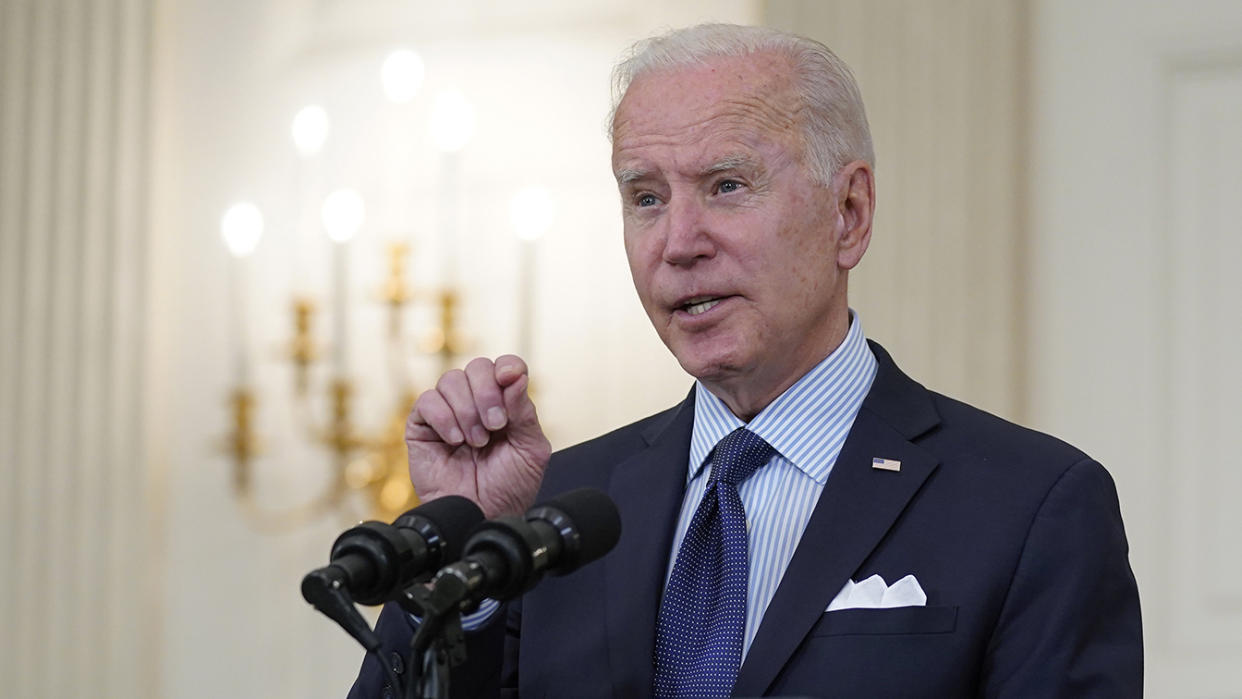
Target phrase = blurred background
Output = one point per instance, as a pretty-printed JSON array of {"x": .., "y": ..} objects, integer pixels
[{"x": 237, "y": 235}]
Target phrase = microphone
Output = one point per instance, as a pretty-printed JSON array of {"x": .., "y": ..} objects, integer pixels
[
  {"x": 374, "y": 561},
  {"x": 507, "y": 556}
]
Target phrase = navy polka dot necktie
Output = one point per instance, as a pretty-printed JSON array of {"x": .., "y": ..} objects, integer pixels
[{"x": 698, "y": 647}]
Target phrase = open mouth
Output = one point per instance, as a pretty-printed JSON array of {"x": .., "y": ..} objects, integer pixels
[{"x": 700, "y": 305}]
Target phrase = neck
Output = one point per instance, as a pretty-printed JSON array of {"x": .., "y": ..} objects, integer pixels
[{"x": 747, "y": 395}]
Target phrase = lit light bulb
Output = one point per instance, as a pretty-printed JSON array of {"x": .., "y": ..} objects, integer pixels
[
  {"x": 402, "y": 75},
  {"x": 241, "y": 227},
  {"x": 309, "y": 130},
  {"x": 531, "y": 212},
  {"x": 452, "y": 121},
  {"x": 343, "y": 212}
]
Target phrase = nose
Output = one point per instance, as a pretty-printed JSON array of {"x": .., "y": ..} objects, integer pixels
[{"x": 687, "y": 239}]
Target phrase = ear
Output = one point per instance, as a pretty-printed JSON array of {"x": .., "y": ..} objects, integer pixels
[{"x": 854, "y": 186}]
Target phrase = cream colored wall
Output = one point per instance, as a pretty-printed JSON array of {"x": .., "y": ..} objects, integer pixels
[{"x": 1135, "y": 300}]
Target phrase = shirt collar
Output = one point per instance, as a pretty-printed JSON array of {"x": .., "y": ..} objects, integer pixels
[{"x": 802, "y": 422}]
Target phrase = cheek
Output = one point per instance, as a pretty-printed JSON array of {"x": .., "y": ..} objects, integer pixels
[
  {"x": 808, "y": 274},
  {"x": 641, "y": 267},
  {"x": 637, "y": 241},
  {"x": 632, "y": 251}
]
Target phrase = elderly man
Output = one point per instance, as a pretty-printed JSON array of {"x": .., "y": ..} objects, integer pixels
[{"x": 809, "y": 521}]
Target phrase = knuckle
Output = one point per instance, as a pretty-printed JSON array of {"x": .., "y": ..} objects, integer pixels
[
  {"x": 512, "y": 359},
  {"x": 479, "y": 365},
  {"x": 452, "y": 377},
  {"x": 427, "y": 401},
  {"x": 418, "y": 414}
]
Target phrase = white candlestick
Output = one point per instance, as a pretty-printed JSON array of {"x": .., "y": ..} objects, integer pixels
[
  {"x": 240, "y": 320},
  {"x": 309, "y": 130},
  {"x": 397, "y": 193},
  {"x": 343, "y": 213},
  {"x": 526, "y": 298},
  {"x": 241, "y": 227},
  {"x": 299, "y": 222},
  {"x": 449, "y": 211},
  {"x": 340, "y": 304}
]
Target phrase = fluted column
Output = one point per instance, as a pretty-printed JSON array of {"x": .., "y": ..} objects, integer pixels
[{"x": 75, "y": 598}]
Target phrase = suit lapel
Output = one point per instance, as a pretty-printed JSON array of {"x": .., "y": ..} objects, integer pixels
[
  {"x": 858, "y": 506},
  {"x": 647, "y": 488}
]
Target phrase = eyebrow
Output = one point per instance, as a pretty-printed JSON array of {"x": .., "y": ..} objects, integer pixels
[
  {"x": 628, "y": 175},
  {"x": 730, "y": 162}
]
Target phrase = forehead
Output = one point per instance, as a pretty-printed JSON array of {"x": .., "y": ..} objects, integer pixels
[{"x": 744, "y": 101}]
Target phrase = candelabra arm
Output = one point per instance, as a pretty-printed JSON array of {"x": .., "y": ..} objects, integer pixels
[
  {"x": 396, "y": 292},
  {"x": 243, "y": 446},
  {"x": 340, "y": 434},
  {"x": 302, "y": 348},
  {"x": 446, "y": 341}
]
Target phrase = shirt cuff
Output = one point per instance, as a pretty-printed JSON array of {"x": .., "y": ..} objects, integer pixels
[
  {"x": 480, "y": 617},
  {"x": 475, "y": 620}
]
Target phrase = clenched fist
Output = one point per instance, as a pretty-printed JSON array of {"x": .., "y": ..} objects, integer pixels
[{"x": 476, "y": 434}]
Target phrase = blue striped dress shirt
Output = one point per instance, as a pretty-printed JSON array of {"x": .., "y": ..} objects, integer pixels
[{"x": 806, "y": 425}]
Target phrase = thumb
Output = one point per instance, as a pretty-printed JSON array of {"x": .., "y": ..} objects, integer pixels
[
  {"x": 525, "y": 433},
  {"x": 518, "y": 405}
]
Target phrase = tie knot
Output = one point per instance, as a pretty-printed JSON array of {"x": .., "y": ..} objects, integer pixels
[{"x": 738, "y": 455}]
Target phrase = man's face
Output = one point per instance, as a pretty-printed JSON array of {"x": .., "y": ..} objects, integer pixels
[{"x": 733, "y": 247}]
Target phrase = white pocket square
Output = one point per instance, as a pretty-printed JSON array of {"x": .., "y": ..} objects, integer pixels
[{"x": 873, "y": 593}]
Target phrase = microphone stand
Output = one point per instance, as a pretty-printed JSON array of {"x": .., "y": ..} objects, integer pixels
[{"x": 439, "y": 643}]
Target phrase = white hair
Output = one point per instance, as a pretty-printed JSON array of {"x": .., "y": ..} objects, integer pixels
[{"x": 835, "y": 130}]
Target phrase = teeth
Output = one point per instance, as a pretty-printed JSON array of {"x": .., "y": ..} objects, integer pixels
[{"x": 701, "y": 307}]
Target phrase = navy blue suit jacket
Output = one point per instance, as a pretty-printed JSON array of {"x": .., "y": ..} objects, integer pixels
[{"x": 1015, "y": 537}]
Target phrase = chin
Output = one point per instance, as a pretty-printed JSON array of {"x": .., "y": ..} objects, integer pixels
[{"x": 708, "y": 367}]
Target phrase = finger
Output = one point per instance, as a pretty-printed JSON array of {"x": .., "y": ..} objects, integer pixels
[
  {"x": 525, "y": 432},
  {"x": 420, "y": 432},
  {"x": 509, "y": 367},
  {"x": 481, "y": 374},
  {"x": 518, "y": 404},
  {"x": 433, "y": 418},
  {"x": 455, "y": 388}
]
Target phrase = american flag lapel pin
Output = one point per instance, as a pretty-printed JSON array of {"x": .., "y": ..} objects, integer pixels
[{"x": 886, "y": 464}]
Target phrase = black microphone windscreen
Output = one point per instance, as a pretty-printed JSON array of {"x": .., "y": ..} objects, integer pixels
[
  {"x": 594, "y": 517},
  {"x": 453, "y": 516}
]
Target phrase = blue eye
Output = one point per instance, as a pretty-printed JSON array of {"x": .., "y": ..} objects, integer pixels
[
  {"x": 728, "y": 186},
  {"x": 646, "y": 200}
]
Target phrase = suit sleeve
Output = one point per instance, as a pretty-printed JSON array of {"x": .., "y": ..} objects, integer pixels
[{"x": 1070, "y": 624}]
